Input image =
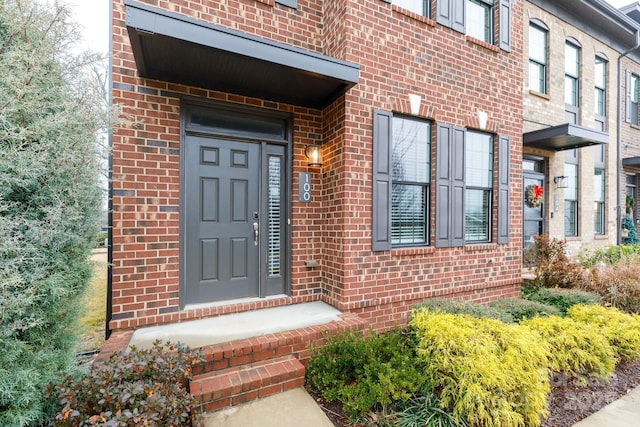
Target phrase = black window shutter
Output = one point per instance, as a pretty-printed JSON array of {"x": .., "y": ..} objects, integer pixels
[
  {"x": 505, "y": 25},
  {"x": 381, "y": 215},
  {"x": 449, "y": 186},
  {"x": 457, "y": 186},
  {"x": 458, "y": 14},
  {"x": 444, "y": 14},
  {"x": 443, "y": 185},
  {"x": 503, "y": 189},
  {"x": 627, "y": 103}
]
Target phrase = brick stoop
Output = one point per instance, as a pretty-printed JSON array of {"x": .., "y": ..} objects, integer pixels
[
  {"x": 246, "y": 369},
  {"x": 243, "y": 370},
  {"x": 240, "y": 384}
]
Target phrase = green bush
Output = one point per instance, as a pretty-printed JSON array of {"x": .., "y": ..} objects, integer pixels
[
  {"x": 141, "y": 387},
  {"x": 99, "y": 239},
  {"x": 424, "y": 411},
  {"x": 488, "y": 373},
  {"x": 575, "y": 349},
  {"x": 465, "y": 307},
  {"x": 621, "y": 329},
  {"x": 521, "y": 308},
  {"x": 365, "y": 373},
  {"x": 50, "y": 199},
  {"x": 610, "y": 255},
  {"x": 563, "y": 299}
]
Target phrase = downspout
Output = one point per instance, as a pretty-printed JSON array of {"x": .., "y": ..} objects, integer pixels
[
  {"x": 109, "y": 309},
  {"x": 619, "y": 140}
]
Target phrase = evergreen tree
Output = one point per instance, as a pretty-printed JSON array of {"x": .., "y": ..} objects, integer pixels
[{"x": 50, "y": 112}]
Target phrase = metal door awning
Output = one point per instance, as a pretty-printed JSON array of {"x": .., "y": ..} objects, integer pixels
[
  {"x": 172, "y": 47},
  {"x": 564, "y": 137}
]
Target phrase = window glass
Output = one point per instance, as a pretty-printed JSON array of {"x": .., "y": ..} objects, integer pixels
[
  {"x": 479, "y": 23},
  {"x": 571, "y": 67},
  {"x": 571, "y": 200},
  {"x": 479, "y": 184},
  {"x": 537, "y": 58},
  {"x": 600, "y": 86},
  {"x": 417, "y": 6},
  {"x": 598, "y": 197},
  {"x": 411, "y": 174}
]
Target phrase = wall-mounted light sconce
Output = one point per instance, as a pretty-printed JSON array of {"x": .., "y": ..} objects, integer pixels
[
  {"x": 314, "y": 155},
  {"x": 561, "y": 181},
  {"x": 483, "y": 117},
  {"x": 414, "y": 103}
]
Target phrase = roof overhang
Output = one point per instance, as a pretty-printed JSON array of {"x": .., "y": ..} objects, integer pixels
[
  {"x": 171, "y": 47},
  {"x": 633, "y": 162},
  {"x": 564, "y": 137}
]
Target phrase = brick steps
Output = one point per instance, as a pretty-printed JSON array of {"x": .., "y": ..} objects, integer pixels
[
  {"x": 247, "y": 369},
  {"x": 240, "y": 384}
]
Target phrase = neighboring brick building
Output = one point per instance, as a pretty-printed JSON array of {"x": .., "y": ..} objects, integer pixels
[
  {"x": 221, "y": 99},
  {"x": 572, "y": 51}
]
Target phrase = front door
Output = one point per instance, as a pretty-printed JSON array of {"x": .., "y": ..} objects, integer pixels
[
  {"x": 234, "y": 211},
  {"x": 533, "y": 213}
]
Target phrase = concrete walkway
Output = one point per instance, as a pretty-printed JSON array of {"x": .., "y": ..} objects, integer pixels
[
  {"x": 624, "y": 412},
  {"x": 291, "y": 408}
]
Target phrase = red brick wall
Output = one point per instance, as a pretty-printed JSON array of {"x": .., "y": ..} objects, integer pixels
[{"x": 398, "y": 55}]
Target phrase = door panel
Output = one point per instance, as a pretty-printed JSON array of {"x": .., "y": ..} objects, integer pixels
[
  {"x": 533, "y": 216},
  {"x": 221, "y": 194}
]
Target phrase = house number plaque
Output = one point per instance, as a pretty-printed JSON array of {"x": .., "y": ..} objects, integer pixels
[{"x": 304, "y": 187}]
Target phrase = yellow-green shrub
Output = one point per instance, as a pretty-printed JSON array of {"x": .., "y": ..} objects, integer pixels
[
  {"x": 488, "y": 372},
  {"x": 576, "y": 349},
  {"x": 621, "y": 329}
]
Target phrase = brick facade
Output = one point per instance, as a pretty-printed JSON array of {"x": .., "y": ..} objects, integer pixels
[
  {"x": 541, "y": 110},
  {"x": 398, "y": 53}
]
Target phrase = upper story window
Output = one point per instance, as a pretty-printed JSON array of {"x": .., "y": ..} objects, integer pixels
[
  {"x": 600, "y": 92},
  {"x": 476, "y": 18},
  {"x": 572, "y": 81},
  {"x": 633, "y": 82},
  {"x": 480, "y": 20},
  {"x": 538, "y": 57},
  {"x": 421, "y": 7},
  {"x": 410, "y": 177}
]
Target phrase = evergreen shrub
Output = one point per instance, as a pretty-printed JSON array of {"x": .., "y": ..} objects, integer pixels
[
  {"x": 365, "y": 374},
  {"x": 520, "y": 308},
  {"x": 487, "y": 372},
  {"x": 466, "y": 307},
  {"x": 575, "y": 349},
  {"x": 50, "y": 198},
  {"x": 563, "y": 299},
  {"x": 621, "y": 329}
]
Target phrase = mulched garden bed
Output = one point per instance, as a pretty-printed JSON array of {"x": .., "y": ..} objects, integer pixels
[{"x": 569, "y": 402}]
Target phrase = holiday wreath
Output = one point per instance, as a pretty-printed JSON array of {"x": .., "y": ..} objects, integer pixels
[{"x": 533, "y": 195}]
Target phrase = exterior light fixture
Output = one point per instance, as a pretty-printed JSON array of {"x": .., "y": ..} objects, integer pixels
[
  {"x": 482, "y": 119},
  {"x": 414, "y": 103},
  {"x": 314, "y": 155},
  {"x": 561, "y": 181}
]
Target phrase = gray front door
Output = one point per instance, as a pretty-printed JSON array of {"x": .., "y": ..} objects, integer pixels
[
  {"x": 234, "y": 212},
  {"x": 533, "y": 216}
]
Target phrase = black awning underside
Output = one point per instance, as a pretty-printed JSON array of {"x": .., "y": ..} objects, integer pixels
[
  {"x": 174, "y": 48},
  {"x": 564, "y": 137},
  {"x": 633, "y": 162}
]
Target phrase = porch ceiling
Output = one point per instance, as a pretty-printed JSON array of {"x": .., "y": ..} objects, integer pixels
[
  {"x": 171, "y": 47},
  {"x": 633, "y": 162},
  {"x": 564, "y": 137}
]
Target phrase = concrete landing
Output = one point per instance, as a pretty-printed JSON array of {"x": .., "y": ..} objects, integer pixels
[
  {"x": 230, "y": 327},
  {"x": 291, "y": 408}
]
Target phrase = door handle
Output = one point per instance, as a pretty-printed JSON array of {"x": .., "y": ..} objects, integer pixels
[{"x": 256, "y": 233}]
